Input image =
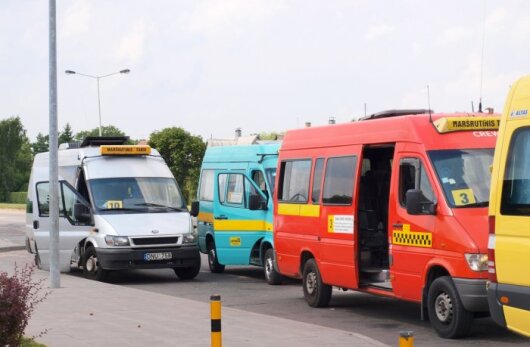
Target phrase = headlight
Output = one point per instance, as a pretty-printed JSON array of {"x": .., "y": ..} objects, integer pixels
[
  {"x": 477, "y": 262},
  {"x": 192, "y": 236},
  {"x": 112, "y": 240},
  {"x": 189, "y": 238}
]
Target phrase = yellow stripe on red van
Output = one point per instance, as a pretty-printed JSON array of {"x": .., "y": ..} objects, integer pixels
[{"x": 304, "y": 210}]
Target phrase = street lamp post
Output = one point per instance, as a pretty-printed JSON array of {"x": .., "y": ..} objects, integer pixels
[{"x": 97, "y": 78}]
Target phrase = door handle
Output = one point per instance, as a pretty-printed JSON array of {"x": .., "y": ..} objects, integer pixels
[
  {"x": 397, "y": 225},
  {"x": 35, "y": 224},
  {"x": 221, "y": 217}
]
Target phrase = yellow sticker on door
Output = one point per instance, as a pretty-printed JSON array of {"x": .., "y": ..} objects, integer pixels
[
  {"x": 235, "y": 241},
  {"x": 340, "y": 224},
  {"x": 406, "y": 237},
  {"x": 463, "y": 196}
]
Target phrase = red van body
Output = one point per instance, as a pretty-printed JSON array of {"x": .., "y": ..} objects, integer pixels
[{"x": 393, "y": 205}]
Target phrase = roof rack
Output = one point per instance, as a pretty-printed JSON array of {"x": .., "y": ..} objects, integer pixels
[
  {"x": 395, "y": 113},
  {"x": 104, "y": 140}
]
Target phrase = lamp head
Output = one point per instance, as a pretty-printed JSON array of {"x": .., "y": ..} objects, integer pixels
[
  {"x": 69, "y": 72},
  {"x": 125, "y": 71}
]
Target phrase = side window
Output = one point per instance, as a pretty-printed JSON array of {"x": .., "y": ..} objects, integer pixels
[
  {"x": 294, "y": 181},
  {"x": 412, "y": 175},
  {"x": 72, "y": 200},
  {"x": 222, "y": 187},
  {"x": 339, "y": 180},
  {"x": 238, "y": 189},
  {"x": 206, "y": 186},
  {"x": 259, "y": 179},
  {"x": 68, "y": 199},
  {"x": 317, "y": 180},
  {"x": 43, "y": 199},
  {"x": 516, "y": 186},
  {"x": 235, "y": 192}
]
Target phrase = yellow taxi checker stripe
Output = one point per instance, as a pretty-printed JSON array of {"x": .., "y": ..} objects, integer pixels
[
  {"x": 411, "y": 238},
  {"x": 205, "y": 217},
  {"x": 242, "y": 225},
  {"x": 304, "y": 210}
]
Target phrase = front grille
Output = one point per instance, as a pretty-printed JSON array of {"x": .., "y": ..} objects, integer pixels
[{"x": 144, "y": 241}]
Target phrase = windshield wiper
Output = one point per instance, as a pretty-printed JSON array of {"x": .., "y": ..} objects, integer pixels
[
  {"x": 118, "y": 209},
  {"x": 150, "y": 204},
  {"x": 477, "y": 204}
]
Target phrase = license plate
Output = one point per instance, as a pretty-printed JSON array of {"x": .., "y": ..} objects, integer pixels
[{"x": 157, "y": 256}]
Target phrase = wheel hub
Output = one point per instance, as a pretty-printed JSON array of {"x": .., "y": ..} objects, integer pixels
[
  {"x": 443, "y": 306},
  {"x": 91, "y": 264},
  {"x": 311, "y": 282},
  {"x": 268, "y": 267}
]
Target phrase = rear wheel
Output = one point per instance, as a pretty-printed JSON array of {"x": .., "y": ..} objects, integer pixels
[
  {"x": 446, "y": 312},
  {"x": 37, "y": 260},
  {"x": 91, "y": 266},
  {"x": 271, "y": 275},
  {"x": 316, "y": 293},
  {"x": 213, "y": 264},
  {"x": 188, "y": 273}
]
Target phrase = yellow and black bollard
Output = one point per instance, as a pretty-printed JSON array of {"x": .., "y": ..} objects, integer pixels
[
  {"x": 406, "y": 339},
  {"x": 215, "y": 313}
]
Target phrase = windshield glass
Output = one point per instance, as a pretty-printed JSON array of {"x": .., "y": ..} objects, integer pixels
[
  {"x": 271, "y": 177},
  {"x": 464, "y": 175},
  {"x": 136, "y": 195}
]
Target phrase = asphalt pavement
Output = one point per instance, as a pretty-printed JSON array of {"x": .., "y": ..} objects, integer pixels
[{"x": 90, "y": 313}]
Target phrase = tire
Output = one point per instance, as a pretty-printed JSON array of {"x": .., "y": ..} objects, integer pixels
[
  {"x": 91, "y": 268},
  {"x": 316, "y": 293},
  {"x": 271, "y": 275},
  {"x": 213, "y": 264},
  {"x": 446, "y": 312},
  {"x": 188, "y": 273},
  {"x": 38, "y": 262}
]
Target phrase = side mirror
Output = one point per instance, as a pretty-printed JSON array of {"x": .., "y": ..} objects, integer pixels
[
  {"x": 256, "y": 202},
  {"x": 418, "y": 204},
  {"x": 82, "y": 213},
  {"x": 195, "y": 209}
]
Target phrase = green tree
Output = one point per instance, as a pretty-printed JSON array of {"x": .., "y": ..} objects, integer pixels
[
  {"x": 15, "y": 157},
  {"x": 66, "y": 136},
  {"x": 183, "y": 154},
  {"x": 42, "y": 144},
  {"x": 270, "y": 136}
]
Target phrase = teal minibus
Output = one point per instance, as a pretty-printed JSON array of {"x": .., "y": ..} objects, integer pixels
[{"x": 234, "y": 207}]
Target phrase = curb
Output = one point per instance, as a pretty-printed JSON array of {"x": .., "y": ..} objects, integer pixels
[{"x": 12, "y": 248}]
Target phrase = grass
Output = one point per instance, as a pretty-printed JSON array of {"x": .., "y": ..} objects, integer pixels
[
  {"x": 27, "y": 342},
  {"x": 5, "y": 205}
]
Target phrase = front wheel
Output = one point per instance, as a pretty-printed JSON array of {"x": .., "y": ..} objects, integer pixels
[
  {"x": 316, "y": 293},
  {"x": 91, "y": 266},
  {"x": 271, "y": 275},
  {"x": 213, "y": 263},
  {"x": 446, "y": 312},
  {"x": 188, "y": 273}
]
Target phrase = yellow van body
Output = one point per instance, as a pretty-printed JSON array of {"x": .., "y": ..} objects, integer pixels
[{"x": 509, "y": 211}]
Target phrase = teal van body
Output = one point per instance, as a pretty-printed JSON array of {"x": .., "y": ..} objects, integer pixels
[{"x": 234, "y": 219}]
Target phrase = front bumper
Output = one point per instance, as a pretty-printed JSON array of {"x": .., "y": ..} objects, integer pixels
[
  {"x": 473, "y": 294},
  {"x": 132, "y": 258}
]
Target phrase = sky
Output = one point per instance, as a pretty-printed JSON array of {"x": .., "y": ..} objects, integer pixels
[{"x": 213, "y": 66}]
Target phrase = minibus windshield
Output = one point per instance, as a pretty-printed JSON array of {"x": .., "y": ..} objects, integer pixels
[
  {"x": 464, "y": 175},
  {"x": 136, "y": 195}
]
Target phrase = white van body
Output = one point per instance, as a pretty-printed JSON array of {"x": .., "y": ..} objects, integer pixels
[{"x": 133, "y": 216}]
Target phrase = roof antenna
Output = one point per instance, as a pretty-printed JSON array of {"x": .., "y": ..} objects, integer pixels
[
  {"x": 482, "y": 55},
  {"x": 429, "y": 103}
]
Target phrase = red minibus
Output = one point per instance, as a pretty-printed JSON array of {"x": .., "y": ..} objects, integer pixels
[{"x": 394, "y": 205}]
